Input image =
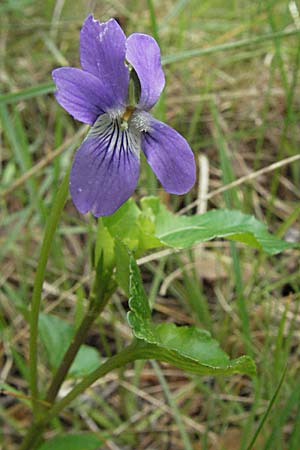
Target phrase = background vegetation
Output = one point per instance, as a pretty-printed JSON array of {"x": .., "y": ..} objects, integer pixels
[{"x": 232, "y": 90}]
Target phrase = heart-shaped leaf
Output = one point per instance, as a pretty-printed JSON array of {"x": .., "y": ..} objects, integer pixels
[
  {"x": 56, "y": 335},
  {"x": 80, "y": 441},
  {"x": 189, "y": 348}
]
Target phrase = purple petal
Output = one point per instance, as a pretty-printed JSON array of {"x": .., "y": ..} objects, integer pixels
[
  {"x": 81, "y": 94},
  {"x": 102, "y": 53},
  {"x": 143, "y": 54},
  {"x": 105, "y": 168},
  {"x": 169, "y": 156}
]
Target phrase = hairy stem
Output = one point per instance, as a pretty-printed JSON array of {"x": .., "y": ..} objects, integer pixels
[{"x": 51, "y": 226}]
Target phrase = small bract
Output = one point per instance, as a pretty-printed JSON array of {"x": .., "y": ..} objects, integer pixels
[{"x": 120, "y": 81}]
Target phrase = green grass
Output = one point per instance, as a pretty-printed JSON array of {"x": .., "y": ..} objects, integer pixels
[{"x": 232, "y": 90}]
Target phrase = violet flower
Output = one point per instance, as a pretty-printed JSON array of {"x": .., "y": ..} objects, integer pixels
[{"x": 120, "y": 80}]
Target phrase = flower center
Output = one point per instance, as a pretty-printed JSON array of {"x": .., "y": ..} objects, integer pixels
[
  {"x": 126, "y": 116},
  {"x": 128, "y": 112}
]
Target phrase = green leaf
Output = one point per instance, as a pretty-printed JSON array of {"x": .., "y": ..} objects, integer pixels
[
  {"x": 189, "y": 348},
  {"x": 122, "y": 265},
  {"x": 86, "y": 361},
  {"x": 104, "y": 246},
  {"x": 135, "y": 228},
  {"x": 82, "y": 441},
  {"x": 153, "y": 226},
  {"x": 56, "y": 335},
  {"x": 147, "y": 238},
  {"x": 185, "y": 231},
  {"x": 122, "y": 224}
]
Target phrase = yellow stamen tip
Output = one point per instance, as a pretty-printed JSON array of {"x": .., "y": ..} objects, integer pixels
[{"x": 128, "y": 112}]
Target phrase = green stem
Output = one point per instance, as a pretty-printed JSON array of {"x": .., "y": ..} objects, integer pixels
[
  {"x": 51, "y": 226},
  {"x": 129, "y": 354},
  {"x": 69, "y": 357},
  {"x": 71, "y": 352},
  {"x": 137, "y": 350}
]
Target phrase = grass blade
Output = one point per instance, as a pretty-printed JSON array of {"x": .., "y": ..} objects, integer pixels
[{"x": 265, "y": 416}]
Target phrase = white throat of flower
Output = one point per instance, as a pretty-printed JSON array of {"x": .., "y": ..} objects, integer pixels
[{"x": 120, "y": 130}]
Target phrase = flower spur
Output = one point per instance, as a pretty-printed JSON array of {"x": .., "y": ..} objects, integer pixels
[{"x": 120, "y": 81}]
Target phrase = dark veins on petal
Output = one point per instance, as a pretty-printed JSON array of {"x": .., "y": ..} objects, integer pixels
[
  {"x": 117, "y": 142},
  {"x": 105, "y": 169}
]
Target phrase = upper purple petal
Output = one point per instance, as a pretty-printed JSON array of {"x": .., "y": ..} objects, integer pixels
[
  {"x": 81, "y": 94},
  {"x": 105, "y": 169},
  {"x": 169, "y": 156},
  {"x": 143, "y": 54},
  {"x": 102, "y": 53}
]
